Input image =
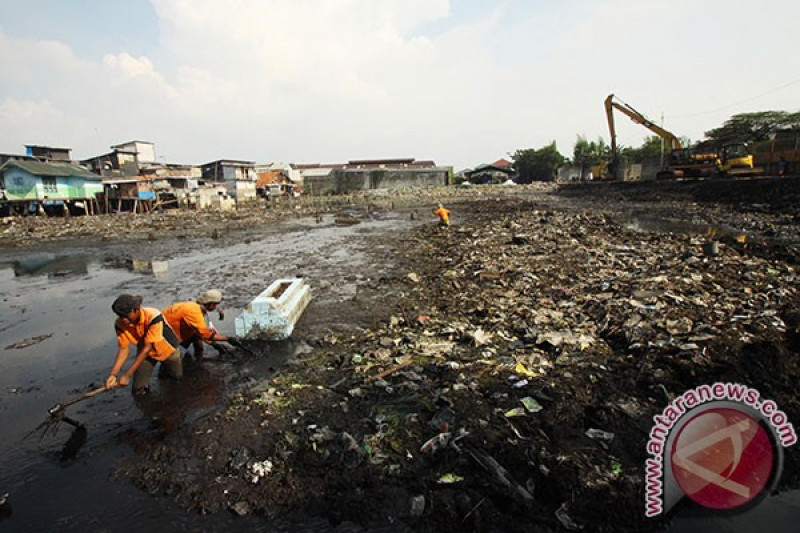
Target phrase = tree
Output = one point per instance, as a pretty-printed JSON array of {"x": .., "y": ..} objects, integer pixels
[
  {"x": 649, "y": 150},
  {"x": 587, "y": 153},
  {"x": 537, "y": 165},
  {"x": 753, "y": 127}
]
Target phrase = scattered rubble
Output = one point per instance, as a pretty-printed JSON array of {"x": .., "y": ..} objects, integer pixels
[{"x": 28, "y": 342}]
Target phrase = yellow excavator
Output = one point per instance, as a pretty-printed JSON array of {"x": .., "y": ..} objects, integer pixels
[{"x": 732, "y": 159}]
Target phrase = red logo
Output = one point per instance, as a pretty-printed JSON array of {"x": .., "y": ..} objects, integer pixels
[{"x": 722, "y": 458}]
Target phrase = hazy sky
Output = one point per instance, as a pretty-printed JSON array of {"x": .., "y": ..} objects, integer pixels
[{"x": 461, "y": 82}]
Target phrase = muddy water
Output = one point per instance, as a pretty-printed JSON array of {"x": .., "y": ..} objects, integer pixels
[{"x": 57, "y": 343}]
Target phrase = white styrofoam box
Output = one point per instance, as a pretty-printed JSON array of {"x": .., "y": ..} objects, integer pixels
[{"x": 273, "y": 313}]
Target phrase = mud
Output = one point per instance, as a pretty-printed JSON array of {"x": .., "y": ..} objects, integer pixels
[{"x": 534, "y": 293}]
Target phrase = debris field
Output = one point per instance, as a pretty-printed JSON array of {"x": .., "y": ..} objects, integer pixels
[{"x": 513, "y": 365}]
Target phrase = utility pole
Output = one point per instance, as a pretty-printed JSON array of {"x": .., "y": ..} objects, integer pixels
[{"x": 661, "y": 160}]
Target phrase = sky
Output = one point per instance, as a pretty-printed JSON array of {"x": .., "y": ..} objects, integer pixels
[{"x": 460, "y": 82}]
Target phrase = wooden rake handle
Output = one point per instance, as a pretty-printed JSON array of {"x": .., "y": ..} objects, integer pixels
[{"x": 61, "y": 406}]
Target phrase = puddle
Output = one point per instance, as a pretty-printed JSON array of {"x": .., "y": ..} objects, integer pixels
[
  {"x": 51, "y": 265},
  {"x": 651, "y": 224}
]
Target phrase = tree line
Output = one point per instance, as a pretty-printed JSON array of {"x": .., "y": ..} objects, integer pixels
[{"x": 542, "y": 164}]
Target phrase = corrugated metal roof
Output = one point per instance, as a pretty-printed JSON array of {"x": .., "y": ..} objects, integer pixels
[
  {"x": 231, "y": 162},
  {"x": 48, "y": 147},
  {"x": 39, "y": 168},
  {"x": 483, "y": 168}
]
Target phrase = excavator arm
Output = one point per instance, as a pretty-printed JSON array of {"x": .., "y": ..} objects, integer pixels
[{"x": 612, "y": 103}]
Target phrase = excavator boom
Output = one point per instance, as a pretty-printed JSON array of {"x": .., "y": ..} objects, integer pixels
[{"x": 638, "y": 118}]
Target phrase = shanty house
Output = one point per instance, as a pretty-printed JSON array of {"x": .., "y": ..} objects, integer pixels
[
  {"x": 35, "y": 185},
  {"x": 239, "y": 178},
  {"x": 483, "y": 174},
  {"x": 126, "y": 159},
  {"x": 114, "y": 164},
  {"x": 48, "y": 153},
  {"x": 145, "y": 150}
]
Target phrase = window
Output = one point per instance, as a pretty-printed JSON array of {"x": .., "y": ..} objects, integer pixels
[{"x": 49, "y": 185}]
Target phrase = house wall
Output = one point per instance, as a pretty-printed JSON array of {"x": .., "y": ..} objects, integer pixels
[
  {"x": 213, "y": 198},
  {"x": 57, "y": 154},
  {"x": 21, "y": 186},
  {"x": 650, "y": 168},
  {"x": 341, "y": 181},
  {"x": 245, "y": 191},
  {"x": 145, "y": 152}
]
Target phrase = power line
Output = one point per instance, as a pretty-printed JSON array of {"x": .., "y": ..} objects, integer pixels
[{"x": 797, "y": 80}]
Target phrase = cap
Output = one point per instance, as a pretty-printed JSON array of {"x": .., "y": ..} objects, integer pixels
[
  {"x": 212, "y": 296},
  {"x": 125, "y": 303}
]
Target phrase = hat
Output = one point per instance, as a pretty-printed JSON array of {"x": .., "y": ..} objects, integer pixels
[
  {"x": 125, "y": 303},
  {"x": 212, "y": 296}
]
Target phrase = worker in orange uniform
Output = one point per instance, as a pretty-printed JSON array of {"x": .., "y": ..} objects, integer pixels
[
  {"x": 155, "y": 342},
  {"x": 444, "y": 216},
  {"x": 188, "y": 320}
]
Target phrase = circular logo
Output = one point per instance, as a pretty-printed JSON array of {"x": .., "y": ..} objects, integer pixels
[{"x": 722, "y": 458}]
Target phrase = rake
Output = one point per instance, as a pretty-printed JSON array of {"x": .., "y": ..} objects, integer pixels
[{"x": 57, "y": 412}]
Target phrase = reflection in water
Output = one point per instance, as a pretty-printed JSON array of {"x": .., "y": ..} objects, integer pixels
[
  {"x": 665, "y": 225},
  {"x": 166, "y": 407},
  {"x": 652, "y": 224},
  {"x": 52, "y": 265},
  {"x": 5, "y": 507},
  {"x": 73, "y": 445}
]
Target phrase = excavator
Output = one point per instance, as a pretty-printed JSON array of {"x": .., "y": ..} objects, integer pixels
[{"x": 732, "y": 159}]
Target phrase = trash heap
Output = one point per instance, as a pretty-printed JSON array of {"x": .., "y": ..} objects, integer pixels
[{"x": 512, "y": 384}]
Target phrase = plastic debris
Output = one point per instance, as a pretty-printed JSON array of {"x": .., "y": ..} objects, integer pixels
[
  {"x": 259, "y": 469},
  {"x": 448, "y": 479},
  {"x": 599, "y": 434},
  {"x": 517, "y": 411},
  {"x": 443, "y": 419},
  {"x": 417, "y": 506},
  {"x": 436, "y": 443},
  {"x": 566, "y": 521},
  {"x": 531, "y": 404},
  {"x": 521, "y": 369}
]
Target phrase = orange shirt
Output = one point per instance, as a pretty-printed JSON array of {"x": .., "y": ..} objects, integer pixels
[
  {"x": 187, "y": 320},
  {"x": 443, "y": 214},
  {"x": 149, "y": 328}
]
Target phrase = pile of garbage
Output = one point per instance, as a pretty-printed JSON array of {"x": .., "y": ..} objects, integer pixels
[{"x": 509, "y": 384}]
